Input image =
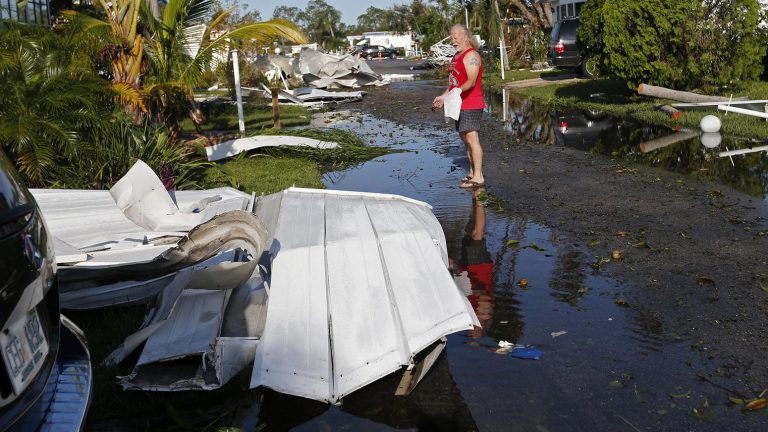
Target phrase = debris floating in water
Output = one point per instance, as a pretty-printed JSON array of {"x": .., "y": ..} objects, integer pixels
[{"x": 519, "y": 351}]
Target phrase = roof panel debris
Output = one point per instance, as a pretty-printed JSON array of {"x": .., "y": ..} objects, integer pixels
[
  {"x": 232, "y": 147},
  {"x": 349, "y": 287},
  {"x": 334, "y": 71}
]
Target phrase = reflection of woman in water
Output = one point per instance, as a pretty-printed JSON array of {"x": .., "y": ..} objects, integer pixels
[{"x": 476, "y": 267}]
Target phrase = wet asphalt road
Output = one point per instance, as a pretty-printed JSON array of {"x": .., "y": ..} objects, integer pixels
[{"x": 610, "y": 360}]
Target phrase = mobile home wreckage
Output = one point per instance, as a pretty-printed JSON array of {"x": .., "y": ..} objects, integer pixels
[{"x": 323, "y": 292}]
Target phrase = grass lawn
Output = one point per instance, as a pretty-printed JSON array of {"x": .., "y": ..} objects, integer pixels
[
  {"x": 615, "y": 98},
  {"x": 265, "y": 174},
  {"x": 273, "y": 169},
  {"x": 222, "y": 116},
  {"x": 493, "y": 78}
]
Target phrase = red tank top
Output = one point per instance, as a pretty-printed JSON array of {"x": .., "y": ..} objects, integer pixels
[{"x": 457, "y": 75}]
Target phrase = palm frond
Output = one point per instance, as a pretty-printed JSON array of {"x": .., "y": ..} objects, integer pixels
[
  {"x": 128, "y": 95},
  {"x": 215, "y": 23},
  {"x": 86, "y": 22},
  {"x": 174, "y": 12},
  {"x": 259, "y": 33},
  {"x": 198, "y": 12}
]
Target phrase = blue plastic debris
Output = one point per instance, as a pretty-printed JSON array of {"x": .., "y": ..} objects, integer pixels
[{"x": 528, "y": 352}]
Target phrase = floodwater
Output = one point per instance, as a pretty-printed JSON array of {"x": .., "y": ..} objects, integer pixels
[
  {"x": 737, "y": 162},
  {"x": 602, "y": 365}
]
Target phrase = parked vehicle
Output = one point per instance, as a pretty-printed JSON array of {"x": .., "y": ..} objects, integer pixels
[
  {"x": 45, "y": 369},
  {"x": 581, "y": 129},
  {"x": 374, "y": 51},
  {"x": 564, "y": 51}
]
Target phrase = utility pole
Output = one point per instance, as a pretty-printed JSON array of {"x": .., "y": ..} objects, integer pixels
[
  {"x": 466, "y": 3},
  {"x": 238, "y": 94}
]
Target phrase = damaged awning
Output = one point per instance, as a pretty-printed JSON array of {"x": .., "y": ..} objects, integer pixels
[
  {"x": 334, "y": 71},
  {"x": 358, "y": 285},
  {"x": 123, "y": 246},
  {"x": 353, "y": 287},
  {"x": 312, "y": 97},
  {"x": 232, "y": 147},
  {"x": 323, "y": 292},
  {"x": 135, "y": 212}
]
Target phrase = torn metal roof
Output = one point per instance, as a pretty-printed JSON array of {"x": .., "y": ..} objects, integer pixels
[
  {"x": 352, "y": 287},
  {"x": 323, "y": 70},
  {"x": 230, "y": 148},
  {"x": 358, "y": 285}
]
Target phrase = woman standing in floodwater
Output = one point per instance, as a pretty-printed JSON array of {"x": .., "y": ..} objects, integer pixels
[{"x": 465, "y": 73}]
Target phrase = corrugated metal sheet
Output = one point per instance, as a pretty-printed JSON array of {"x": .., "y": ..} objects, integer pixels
[
  {"x": 90, "y": 220},
  {"x": 358, "y": 285}
]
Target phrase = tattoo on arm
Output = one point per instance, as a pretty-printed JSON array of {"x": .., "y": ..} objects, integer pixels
[{"x": 473, "y": 61}]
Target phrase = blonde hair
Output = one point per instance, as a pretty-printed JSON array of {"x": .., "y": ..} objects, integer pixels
[{"x": 468, "y": 34}]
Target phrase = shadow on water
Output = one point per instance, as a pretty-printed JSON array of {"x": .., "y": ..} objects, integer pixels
[
  {"x": 736, "y": 162},
  {"x": 602, "y": 364}
]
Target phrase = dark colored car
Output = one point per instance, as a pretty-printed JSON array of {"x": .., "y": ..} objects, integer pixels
[
  {"x": 375, "y": 51},
  {"x": 582, "y": 129},
  {"x": 45, "y": 369},
  {"x": 564, "y": 51}
]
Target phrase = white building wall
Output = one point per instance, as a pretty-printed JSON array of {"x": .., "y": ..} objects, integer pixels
[
  {"x": 389, "y": 39},
  {"x": 562, "y": 9}
]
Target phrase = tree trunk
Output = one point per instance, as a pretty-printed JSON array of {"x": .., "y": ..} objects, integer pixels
[
  {"x": 544, "y": 12},
  {"x": 504, "y": 58}
]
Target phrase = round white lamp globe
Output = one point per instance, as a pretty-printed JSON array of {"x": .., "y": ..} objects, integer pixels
[
  {"x": 711, "y": 139},
  {"x": 710, "y": 123}
]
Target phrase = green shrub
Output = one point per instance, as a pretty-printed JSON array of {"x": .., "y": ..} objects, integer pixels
[
  {"x": 682, "y": 44},
  {"x": 99, "y": 163},
  {"x": 51, "y": 101}
]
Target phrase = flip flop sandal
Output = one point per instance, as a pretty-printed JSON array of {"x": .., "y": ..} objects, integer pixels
[
  {"x": 471, "y": 184},
  {"x": 466, "y": 179}
]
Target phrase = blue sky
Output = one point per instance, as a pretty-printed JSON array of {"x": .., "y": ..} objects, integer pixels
[{"x": 350, "y": 9}]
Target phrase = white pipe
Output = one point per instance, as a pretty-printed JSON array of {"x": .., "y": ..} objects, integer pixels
[
  {"x": 504, "y": 101},
  {"x": 705, "y": 104},
  {"x": 743, "y": 151},
  {"x": 742, "y": 111},
  {"x": 240, "y": 120},
  {"x": 501, "y": 56},
  {"x": 466, "y": 15}
]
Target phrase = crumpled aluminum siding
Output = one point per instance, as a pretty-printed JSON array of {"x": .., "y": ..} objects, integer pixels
[{"x": 358, "y": 285}]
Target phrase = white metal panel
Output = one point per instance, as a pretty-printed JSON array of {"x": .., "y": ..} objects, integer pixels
[
  {"x": 426, "y": 297},
  {"x": 76, "y": 216},
  {"x": 376, "y": 266},
  {"x": 293, "y": 356},
  {"x": 366, "y": 332},
  {"x": 232, "y": 147},
  {"x": 84, "y": 218},
  {"x": 193, "y": 325}
]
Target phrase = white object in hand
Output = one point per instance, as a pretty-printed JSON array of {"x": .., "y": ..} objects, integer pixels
[{"x": 452, "y": 104}]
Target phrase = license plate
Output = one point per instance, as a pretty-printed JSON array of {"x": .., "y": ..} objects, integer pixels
[{"x": 24, "y": 348}]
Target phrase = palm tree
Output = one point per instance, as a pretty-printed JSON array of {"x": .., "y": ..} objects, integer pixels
[
  {"x": 168, "y": 60},
  {"x": 49, "y": 102},
  {"x": 182, "y": 46},
  {"x": 124, "y": 49}
]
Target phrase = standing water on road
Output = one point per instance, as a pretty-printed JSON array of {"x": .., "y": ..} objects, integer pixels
[
  {"x": 737, "y": 162},
  {"x": 602, "y": 364}
]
